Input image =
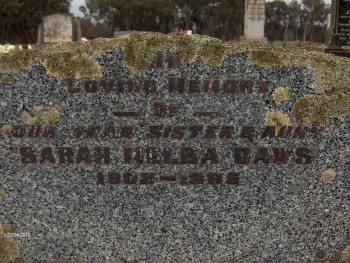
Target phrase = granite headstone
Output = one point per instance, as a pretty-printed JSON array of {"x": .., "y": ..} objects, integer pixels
[
  {"x": 174, "y": 148},
  {"x": 340, "y": 27}
]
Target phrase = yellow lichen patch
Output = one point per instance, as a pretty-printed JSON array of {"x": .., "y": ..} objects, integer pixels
[
  {"x": 281, "y": 94},
  {"x": 183, "y": 44},
  {"x": 265, "y": 58},
  {"x": 320, "y": 108},
  {"x": 79, "y": 65},
  {"x": 277, "y": 119},
  {"x": 7, "y": 228},
  {"x": 213, "y": 51},
  {"x": 2, "y": 193},
  {"x": 5, "y": 78},
  {"x": 307, "y": 109},
  {"x": 9, "y": 250},
  {"x": 6, "y": 128},
  {"x": 328, "y": 175},
  {"x": 42, "y": 116},
  {"x": 343, "y": 257},
  {"x": 322, "y": 66},
  {"x": 16, "y": 60},
  {"x": 139, "y": 51},
  {"x": 6, "y": 152},
  {"x": 321, "y": 254}
]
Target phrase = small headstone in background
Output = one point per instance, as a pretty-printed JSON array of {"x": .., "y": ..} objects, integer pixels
[
  {"x": 254, "y": 21},
  {"x": 59, "y": 28}
]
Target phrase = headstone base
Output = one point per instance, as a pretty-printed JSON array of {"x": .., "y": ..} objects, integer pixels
[
  {"x": 338, "y": 51},
  {"x": 253, "y": 39}
]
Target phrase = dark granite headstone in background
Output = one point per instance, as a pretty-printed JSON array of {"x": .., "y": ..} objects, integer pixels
[
  {"x": 340, "y": 23},
  {"x": 173, "y": 148},
  {"x": 342, "y": 26}
]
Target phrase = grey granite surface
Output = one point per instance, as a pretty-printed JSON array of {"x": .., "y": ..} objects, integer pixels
[{"x": 277, "y": 212}]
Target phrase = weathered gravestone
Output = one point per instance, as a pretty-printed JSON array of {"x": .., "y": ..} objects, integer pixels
[
  {"x": 175, "y": 148},
  {"x": 254, "y": 21},
  {"x": 59, "y": 28},
  {"x": 340, "y": 26}
]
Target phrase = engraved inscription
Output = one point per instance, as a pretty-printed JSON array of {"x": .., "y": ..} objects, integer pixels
[
  {"x": 131, "y": 149},
  {"x": 179, "y": 85},
  {"x": 342, "y": 25}
]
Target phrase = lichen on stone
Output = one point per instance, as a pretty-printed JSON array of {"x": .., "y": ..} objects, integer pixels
[
  {"x": 2, "y": 193},
  {"x": 343, "y": 257},
  {"x": 40, "y": 115},
  {"x": 5, "y": 78},
  {"x": 139, "y": 51},
  {"x": 6, "y": 128},
  {"x": 331, "y": 74},
  {"x": 15, "y": 61},
  {"x": 7, "y": 228},
  {"x": 265, "y": 57},
  {"x": 77, "y": 59},
  {"x": 320, "y": 109},
  {"x": 276, "y": 119},
  {"x": 328, "y": 175},
  {"x": 213, "y": 51},
  {"x": 6, "y": 152},
  {"x": 281, "y": 94},
  {"x": 321, "y": 254},
  {"x": 9, "y": 250},
  {"x": 79, "y": 65}
]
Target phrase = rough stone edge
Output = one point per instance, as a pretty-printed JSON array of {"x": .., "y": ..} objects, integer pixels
[
  {"x": 9, "y": 250},
  {"x": 78, "y": 60}
]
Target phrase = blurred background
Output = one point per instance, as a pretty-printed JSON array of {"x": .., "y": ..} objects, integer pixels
[{"x": 293, "y": 22}]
